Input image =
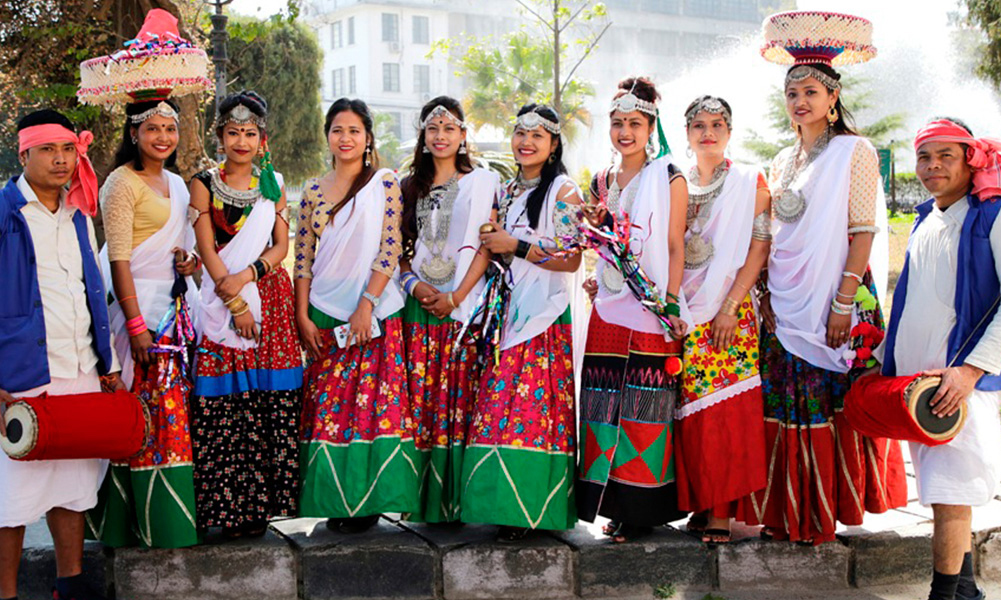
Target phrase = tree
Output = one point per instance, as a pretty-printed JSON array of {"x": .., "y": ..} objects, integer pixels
[
  {"x": 986, "y": 15},
  {"x": 858, "y": 101},
  {"x": 522, "y": 67},
  {"x": 280, "y": 59}
]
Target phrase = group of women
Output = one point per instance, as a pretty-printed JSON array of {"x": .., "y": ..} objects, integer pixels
[{"x": 713, "y": 370}]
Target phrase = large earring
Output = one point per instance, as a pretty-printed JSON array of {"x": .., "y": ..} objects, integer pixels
[
  {"x": 552, "y": 158},
  {"x": 135, "y": 140},
  {"x": 615, "y": 154},
  {"x": 368, "y": 152},
  {"x": 426, "y": 150},
  {"x": 260, "y": 151},
  {"x": 649, "y": 146},
  {"x": 689, "y": 152},
  {"x": 462, "y": 148},
  {"x": 832, "y": 116}
]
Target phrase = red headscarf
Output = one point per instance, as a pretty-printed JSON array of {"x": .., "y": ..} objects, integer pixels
[
  {"x": 83, "y": 186},
  {"x": 982, "y": 154}
]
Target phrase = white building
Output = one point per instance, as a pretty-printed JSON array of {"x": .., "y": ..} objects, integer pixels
[{"x": 378, "y": 50}]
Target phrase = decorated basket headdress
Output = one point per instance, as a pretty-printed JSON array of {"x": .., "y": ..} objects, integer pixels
[
  {"x": 157, "y": 64},
  {"x": 806, "y": 38}
]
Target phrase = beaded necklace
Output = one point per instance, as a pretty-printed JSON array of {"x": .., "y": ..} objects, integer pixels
[
  {"x": 699, "y": 249},
  {"x": 223, "y": 195}
]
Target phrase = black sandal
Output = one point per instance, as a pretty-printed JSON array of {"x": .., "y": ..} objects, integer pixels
[
  {"x": 697, "y": 523},
  {"x": 610, "y": 528},
  {"x": 357, "y": 524},
  {"x": 766, "y": 534},
  {"x": 629, "y": 533},
  {"x": 722, "y": 536},
  {"x": 510, "y": 535}
]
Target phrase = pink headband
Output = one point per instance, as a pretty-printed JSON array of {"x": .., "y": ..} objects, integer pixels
[
  {"x": 982, "y": 155},
  {"x": 83, "y": 186}
]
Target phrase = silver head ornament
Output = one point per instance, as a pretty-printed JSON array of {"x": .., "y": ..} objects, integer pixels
[
  {"x": 630, "y": 102},
  {"x": 441, "y": 111},
  {"x": 242, "y": 115},
  {"x": 711, "y": 105},
  {"x": 531, "y": 120},
  {"x": 797, "y": 74},
  {"x": 160, "y": 110}
]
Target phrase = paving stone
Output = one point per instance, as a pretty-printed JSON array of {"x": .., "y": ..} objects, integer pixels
[
  {"x": 37, "y": 573},
  {"x": 218, "y": 570},
  {"x": 989, "y": 558},
  {"x": 667, "y": 558},
  {"x": 387, "y": 561},
  {"x": 895, "y": 556},
  {"x": 756, "y": 564},
  {"x": 475, "y": 566}
]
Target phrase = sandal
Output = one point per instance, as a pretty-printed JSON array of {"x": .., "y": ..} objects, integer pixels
[
  {"x": 357, "y": 524},
  {"x": 766, "y": 534},
  {"x": 697, "y": 523},
  {"x": 716, "y": 536},
  {"x": 610, "y": 528},
  {"x": 254, "y": 529},
  {"x": 510, "y": 535},
  {"x": 628, "y": 533}
]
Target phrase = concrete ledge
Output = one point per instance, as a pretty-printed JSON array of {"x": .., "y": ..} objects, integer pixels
[
  {"x": 900, "y": 555},
  {"x": 218, "y": 570},
  {"x": 753, "y": 564},
  {"x": 37, "y": 574}
]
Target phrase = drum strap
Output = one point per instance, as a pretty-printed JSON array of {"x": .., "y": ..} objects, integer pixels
[{"x": 974, "y": 332}]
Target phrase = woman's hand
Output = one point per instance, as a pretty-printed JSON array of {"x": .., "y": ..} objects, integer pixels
[
  {"x": 141, "y": 345},
  {"x": 309, "y": 335},
  {"x": 361, "y": 324},
  {"x": 678, "y": 327},
  {"x": 229, "y": 286},
  {"x": 423, "y": 291},
  {"x": 766, "y": 312},
  {"x": 723, "y": 331},
  {"x": 245, "y": 326},
  {"x": 591, "y": 287},
  {"x": 187, "y": 263},
  {"x": 838, "y": 329},
  {"x": 438, "y": 305},
  {"x": 595, "y": 214},
  {"x": 498, "y": 241}
]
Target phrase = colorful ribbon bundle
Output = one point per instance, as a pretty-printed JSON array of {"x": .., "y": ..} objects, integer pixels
[
  {"x": 175, "y": 334},
  {"x": 486, "y": 323},
  {"x": 613, "y": 244}
]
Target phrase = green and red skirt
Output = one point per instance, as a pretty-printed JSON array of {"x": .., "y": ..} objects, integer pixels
[{"x": 518, "y": 465}]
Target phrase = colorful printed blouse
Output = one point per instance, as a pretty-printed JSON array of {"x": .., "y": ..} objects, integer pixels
[{"x": 310, "y": 230}]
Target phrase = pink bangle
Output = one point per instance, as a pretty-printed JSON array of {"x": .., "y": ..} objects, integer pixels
[{"x": 135, "y": 326}]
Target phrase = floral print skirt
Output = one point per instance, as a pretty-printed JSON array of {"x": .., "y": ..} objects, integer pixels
[
  {"x": 518, "y": 464},
  {"x": 356, "y": 441},
  {"x": 246, "y": 412}
]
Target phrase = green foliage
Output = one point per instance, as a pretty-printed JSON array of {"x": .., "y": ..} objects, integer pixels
[
  {"x": 388, "y": 145},
  {"x": 280, "y": 59},
  {"x": 986, "y": 16},
  {"x": 857, "y": 97},
  {"x": 665, "y": 591},
  {"x": 521, "y": 67}
]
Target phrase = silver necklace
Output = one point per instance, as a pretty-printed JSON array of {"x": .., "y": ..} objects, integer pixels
[
  {"x": 434, "y": 219},
  {"x": 699, "y": 249},
  {"x": 230, "y": 196},
  {"x": 620, "y": 202},
  {"x": 789, "y": 205}
]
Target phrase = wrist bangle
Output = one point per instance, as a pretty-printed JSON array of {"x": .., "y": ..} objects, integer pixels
[
  {"x": 135, "y": 326},
  {"x": 451, "y": 301},
  {"x": 132, "y": 297},
  {"x": 730, "y": 306},
  {"x": 522, "y": 250},
  {"x": 840, "y": 309},
  {"x": 673, "y": 297},
  {"x": 844, "y": 295},
  {"x": 673, "y": 309},
  {"x": 268, "y": 267},
  {"x": 857, "y": 278}
]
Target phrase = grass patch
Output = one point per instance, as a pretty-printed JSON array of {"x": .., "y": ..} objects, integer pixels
[{"x": 665, "y": 591}]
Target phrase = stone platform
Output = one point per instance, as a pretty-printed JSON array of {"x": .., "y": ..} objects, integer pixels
[{"x": 299, "y": 559}]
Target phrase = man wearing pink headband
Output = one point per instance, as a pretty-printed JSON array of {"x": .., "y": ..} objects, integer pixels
[
  {"x": 945, "y": 322},
  {"x": 54, "y": 337}
]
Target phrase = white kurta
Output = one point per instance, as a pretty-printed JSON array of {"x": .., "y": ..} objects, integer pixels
[
  {"x": 29, "y": 489},
  {"x": 966, "y": 471}
]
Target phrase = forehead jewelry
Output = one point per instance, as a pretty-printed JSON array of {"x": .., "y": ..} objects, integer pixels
[
  {"x": 531, "y": 120},
  {"x": 802, "y": 72},
  {"x": 162, "y": 110},
  {"x": 441, "y": 111},
  {"x": 709, "y": 105},
  {"x": 630, "y": 102},
  {"x": 242, "y": 115}
]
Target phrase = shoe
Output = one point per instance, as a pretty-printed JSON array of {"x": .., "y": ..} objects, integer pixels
[
  {"x": 84, "y": 592},
  {"x": 511, "y": 535},
  {"x": 981, "y": 595},
  {"x": 356, "y": 525}
]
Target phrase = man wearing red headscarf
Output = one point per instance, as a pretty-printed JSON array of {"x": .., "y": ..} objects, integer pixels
[
  {"x": 945, "y": 322},
  {"x": 54, "y": 337}
]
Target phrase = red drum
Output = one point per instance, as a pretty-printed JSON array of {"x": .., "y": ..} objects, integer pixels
[
  {"x": 95, "y": 425},
  {"x": 898, "y": 408}
]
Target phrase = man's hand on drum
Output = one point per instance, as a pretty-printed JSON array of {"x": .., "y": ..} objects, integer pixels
[
  {"x": 112, "y": 382},
  {"x": 957, "y": 384},
  {"x": 5, "y": 399},
  {"x": 141, "y": 345}
]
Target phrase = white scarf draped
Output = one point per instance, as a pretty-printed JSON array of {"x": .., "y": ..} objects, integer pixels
[
  {"x": 729, "y": 227},
  {"x": 246, "y": 246},
  {"x": 348, "y": 247},
  {"x": 651, "y": 218},
  {"x": 808, "y": 256},
  {"x": 152, "y": 268},
  {"x": 475, "y": 200}
]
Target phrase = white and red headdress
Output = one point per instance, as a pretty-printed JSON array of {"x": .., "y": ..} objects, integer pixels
[{"x": 806, "y": 38}]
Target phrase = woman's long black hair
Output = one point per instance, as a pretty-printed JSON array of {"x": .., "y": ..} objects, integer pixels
[
  {"x": 128, "y": 151},
  {"x": 551, "y": 169},
  {"x": 359, "y": 108},
  {"x": 845, "y": 125}
]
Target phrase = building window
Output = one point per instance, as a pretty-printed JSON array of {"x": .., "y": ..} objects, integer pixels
[
  {"x": 395, "y": 124},
  {"x": 390, "y": 27},
  {"x": 422, "y": 79},
  {"x": 336, "y": 40},
  {"x": 352, "y": 84},
  {"x": 390, "y": 77},
  {"x": 351, "y": 31},
  {"x": 422, "y": 29},
  {"x": 337, "y": 87}
]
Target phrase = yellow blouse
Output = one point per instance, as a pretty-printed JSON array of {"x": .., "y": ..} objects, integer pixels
[{"x": 132, "y": 212}]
